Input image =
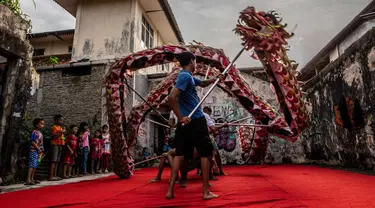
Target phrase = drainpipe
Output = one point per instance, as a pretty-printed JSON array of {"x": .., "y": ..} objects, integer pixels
[{"x": 134, "y": 88}]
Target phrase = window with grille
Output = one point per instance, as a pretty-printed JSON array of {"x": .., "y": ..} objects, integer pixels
[
  {"x": 39, "y": 52},
  {"x": 147, "y": 34},
  {"x": 76, "y": 71}
]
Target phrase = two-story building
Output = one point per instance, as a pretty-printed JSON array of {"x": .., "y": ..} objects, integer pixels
[{"x": 72, "y": 63}]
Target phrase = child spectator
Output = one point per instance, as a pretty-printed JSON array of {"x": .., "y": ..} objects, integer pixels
[
  {"x": 146, "y": 155},
  {"x": 106, "y": 148},
  {"x": 96, "y": 151},
  {"x": 78, "y": 158},
  {"x": 36, "y": 149},
  {"x": 70, "y": 152},
  {"x": 84, "y": 146},
  {"x": 57, "y": 143}
]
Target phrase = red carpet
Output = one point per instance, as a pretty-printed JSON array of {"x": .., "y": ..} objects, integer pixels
[{"x": 246, "y": 186}]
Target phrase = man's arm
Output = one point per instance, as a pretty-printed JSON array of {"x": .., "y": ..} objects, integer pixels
[
  {"x": 208, "y": 82},
  {"x": 182, "y": 82},
  {"x": 217, "y": 127},
  {"x": 173, "y": 103}
]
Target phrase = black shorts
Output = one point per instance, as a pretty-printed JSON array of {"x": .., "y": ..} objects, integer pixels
[{"x": 195, "y": 134}]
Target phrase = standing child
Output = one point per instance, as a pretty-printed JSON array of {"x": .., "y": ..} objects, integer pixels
[
  {"x": 77, "y": 164},
  {"x": 146, "y": 155},
  {"x": 96, "y": 152},
  {"x": 57, "y": 143},
  {"x": 70, "y": 152},
  {"x": 36, "y": 149},
  {"x": 84, "y": 146},
  {"x": 106, "y": 148}
]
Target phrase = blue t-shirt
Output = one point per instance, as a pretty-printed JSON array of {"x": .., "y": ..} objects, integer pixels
[
  {"x": 146, "y": 154},
  {"x": 188, "y": 99},
  {"x": 36, "y": 137}
]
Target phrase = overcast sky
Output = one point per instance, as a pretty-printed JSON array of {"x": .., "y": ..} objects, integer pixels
[{"x": 212, "y": 21}]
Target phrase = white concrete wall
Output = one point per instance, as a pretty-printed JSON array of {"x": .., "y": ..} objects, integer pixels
[
  {"x": 356, "y": 35},
  {"x": 103, "y": 29},
  {"x": 158, "y": 40},
  {"x": 53, "y": 47},
  {"x": 101, "y": 36},
  {"x": 334, "y": 54}
]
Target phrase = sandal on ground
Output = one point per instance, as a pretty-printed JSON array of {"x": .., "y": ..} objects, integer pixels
[
  {"x": 170, "y": 197},
  {"x": 30, "y": 184},
  {"x": 37, "y": 182}
]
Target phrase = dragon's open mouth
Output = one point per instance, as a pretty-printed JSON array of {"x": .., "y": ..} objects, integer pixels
[{"x": 261, "y": 30}]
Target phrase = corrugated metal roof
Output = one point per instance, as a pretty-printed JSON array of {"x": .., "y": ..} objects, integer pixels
[{"x": 45, "y": 34}]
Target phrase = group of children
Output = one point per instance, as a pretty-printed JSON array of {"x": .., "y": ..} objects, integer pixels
[{"x": 75, "y": 150}]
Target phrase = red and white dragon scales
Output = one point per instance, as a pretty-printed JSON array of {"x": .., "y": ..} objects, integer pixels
[{"x": 261, "y": 32}]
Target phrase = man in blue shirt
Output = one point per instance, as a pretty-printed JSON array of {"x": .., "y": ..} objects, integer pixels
[{"x": 191, "y": 132}]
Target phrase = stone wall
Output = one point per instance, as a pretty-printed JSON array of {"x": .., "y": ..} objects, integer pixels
[
  {"x": 352, "y": 75},
  {"x": 15, "y": 92},
  {"x": 77, "y": 98}
]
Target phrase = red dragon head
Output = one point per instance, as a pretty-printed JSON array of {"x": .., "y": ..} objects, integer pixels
[{"x": 261, "y": 30}]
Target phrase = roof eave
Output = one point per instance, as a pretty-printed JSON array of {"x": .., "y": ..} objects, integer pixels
[
  {"x": 45, "y": 34},
  {"x": 70, "y": 12},
  {"x": 353, "y": 25},
  {"x": 171, "y": 19}
]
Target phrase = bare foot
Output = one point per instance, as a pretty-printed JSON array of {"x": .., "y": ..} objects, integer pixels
[
  {"x": 177, "y": 181},
  {"x": 183, "y": 184},
  {"x": 170, "y": 195},
  {"x": 154, "y": 180},
  {"x": 209, "y": 196}
]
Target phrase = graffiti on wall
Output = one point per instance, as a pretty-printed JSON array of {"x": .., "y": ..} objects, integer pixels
[
  {"x": 225, "y": 109},
  {"x": 349, "y": 114},
  {"x": 142, "y": 135}
]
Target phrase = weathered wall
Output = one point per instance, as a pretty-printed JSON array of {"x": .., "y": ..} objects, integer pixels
[
  {"x": 145, "y": 129},
  {"x": 141, "y": 86},
  {"x": 103, "y": 40},
  {"x": 53, "y": 47},
  {"x": 358, "y": 33},
  {"x": 77, "y": 98},
  {"x": 102, "y": 36},
  {"x": 225, "y": 107},
  {"x": 139, "y": 45},
  {"x": 351, "y": 75},
  {"x": 15, "y": 93},
  {"x": 353, "y": 37}
]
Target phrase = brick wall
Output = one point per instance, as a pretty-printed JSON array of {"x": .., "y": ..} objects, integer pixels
[{"x": 77, "y": 98}]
